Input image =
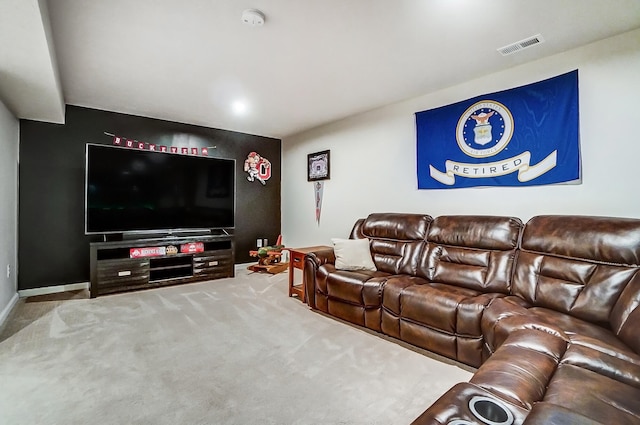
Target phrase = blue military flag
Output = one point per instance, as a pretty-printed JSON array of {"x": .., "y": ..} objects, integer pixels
[{"x": 524, "y": 136}]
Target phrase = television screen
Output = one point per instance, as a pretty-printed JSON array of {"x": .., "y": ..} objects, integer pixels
[{"x": 130, "y": 190}]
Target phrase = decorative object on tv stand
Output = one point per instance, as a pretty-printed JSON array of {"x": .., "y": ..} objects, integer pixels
[
  {"x": 318, "y": 169},
  {"x": 258, "y": 167}
]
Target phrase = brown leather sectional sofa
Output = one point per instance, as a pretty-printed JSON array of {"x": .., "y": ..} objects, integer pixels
[{"x": 548, "y": 311}]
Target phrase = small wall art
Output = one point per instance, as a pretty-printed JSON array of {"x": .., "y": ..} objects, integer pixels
[
  {"x": 318, "y": 166},
  {"x": 258, "y": 167}
]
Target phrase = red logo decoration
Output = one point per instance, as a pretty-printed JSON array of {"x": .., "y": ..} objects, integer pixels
[
  {"x": 189, "y": 248},
  {"x": 259, "y": 168},
  {"x": 150, "y": 251}
]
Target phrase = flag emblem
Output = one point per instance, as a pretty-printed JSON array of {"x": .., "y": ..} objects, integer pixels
[{"x": 484, "y": 129}]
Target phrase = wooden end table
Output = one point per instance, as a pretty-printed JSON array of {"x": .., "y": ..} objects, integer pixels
[{"x": 296, "y": 261}]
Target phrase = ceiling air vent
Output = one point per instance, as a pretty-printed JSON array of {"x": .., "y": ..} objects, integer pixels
[{"x": 520, "y": 45}]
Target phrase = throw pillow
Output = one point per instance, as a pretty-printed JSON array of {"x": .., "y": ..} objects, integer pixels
[{"x": 353, "y": 254}]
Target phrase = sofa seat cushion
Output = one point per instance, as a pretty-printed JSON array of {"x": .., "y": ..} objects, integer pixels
[
  {"x": 447, "y": 308},
  {"x": 504, "y": 316},
  {"x": 547, "y": 413},
  {"x": 354, "y": 296},
  {"x": 594, "y": 395},
  {"x": 345, "y": 284},
  {"x": 358, "y": 287},
  {"x": 441, "y": 318},
  {"x": 574, "y": 327},
  {"x": 614, "y": 364},
  {"x": 614, "y": 350}
]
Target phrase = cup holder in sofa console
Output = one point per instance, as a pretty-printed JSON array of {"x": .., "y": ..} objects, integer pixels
[{"x": 490, "y": 411}]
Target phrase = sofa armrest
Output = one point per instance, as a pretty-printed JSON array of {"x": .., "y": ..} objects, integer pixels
[{"x": 312, "y": 262}]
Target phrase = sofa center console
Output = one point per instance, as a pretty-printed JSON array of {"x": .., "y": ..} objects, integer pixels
[{"x": 145, "y": 263}]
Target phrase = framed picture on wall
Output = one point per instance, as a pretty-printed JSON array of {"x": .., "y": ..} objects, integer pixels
[{"x": 318, "y": 166}]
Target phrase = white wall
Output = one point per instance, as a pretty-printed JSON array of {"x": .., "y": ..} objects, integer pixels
[
  {"x": 373, "y": 155},
  {"x": 9, "y": 141}
]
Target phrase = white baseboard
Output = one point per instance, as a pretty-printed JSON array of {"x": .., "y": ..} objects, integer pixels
[
  {"x": 53, "y": 289},
  {"x": 5, "y": 311}
]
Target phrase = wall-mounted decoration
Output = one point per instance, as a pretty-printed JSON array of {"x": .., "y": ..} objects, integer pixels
[
  {"x": 259, "y": 168},
  {"x": 524, "y": 136},
  {"x": 135, "y": 144},
  {"x": 317, "y": 190},
  {"x": 318, "y": 166}
]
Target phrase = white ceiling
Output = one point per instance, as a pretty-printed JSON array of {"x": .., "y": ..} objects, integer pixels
[{"x": 314, "y": 61}]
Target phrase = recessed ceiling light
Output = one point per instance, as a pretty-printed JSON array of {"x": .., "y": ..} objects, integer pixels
[{"x": 239, "y": 107}]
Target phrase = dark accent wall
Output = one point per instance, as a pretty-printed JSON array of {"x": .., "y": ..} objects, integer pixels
[{"x": 53, "y": 249}]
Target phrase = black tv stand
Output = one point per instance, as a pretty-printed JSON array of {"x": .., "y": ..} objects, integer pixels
[{"x": 125, "y": 265}]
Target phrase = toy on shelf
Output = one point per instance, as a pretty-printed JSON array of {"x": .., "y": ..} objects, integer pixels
[{"x": 269, "y": 258}]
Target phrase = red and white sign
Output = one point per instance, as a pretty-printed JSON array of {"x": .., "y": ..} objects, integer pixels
[
  {"x": 134, "y": 144},
  {"x": 150, "y": 251},
  {"x": 189, "y": 248}
]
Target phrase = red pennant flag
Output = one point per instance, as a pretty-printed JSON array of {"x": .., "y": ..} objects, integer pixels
[
  {"x": 174, "y": 149},
  {"x": 205, "y": 152},
  {"x": 140, "y": 145},
  {"x": 194, "y": 151},
  {"x": 163, "y": 148},
  {"x": 185, "y": 151},
  {"x": 152, "y": 147},
  {"x": 117, "y": 141},
  {"x": 130, "y": 143}
]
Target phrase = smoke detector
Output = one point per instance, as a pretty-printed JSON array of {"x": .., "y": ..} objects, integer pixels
[{"x": 253, "y": 17}]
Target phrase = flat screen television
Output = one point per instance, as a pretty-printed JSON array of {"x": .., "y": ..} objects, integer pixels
[{"x": 133, "y": 190}]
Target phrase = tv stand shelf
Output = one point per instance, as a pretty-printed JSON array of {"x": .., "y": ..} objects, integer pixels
[{"x": 114, "y": 270}]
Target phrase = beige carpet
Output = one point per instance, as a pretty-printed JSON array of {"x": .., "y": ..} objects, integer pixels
[{"x": 230, "y": 351}]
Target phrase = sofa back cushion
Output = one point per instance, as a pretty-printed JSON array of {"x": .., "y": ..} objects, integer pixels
[
  {"x": 475, "y": 252},
  {"x": 396, "y": 240},
  {"x": 576, "y": 264}
]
